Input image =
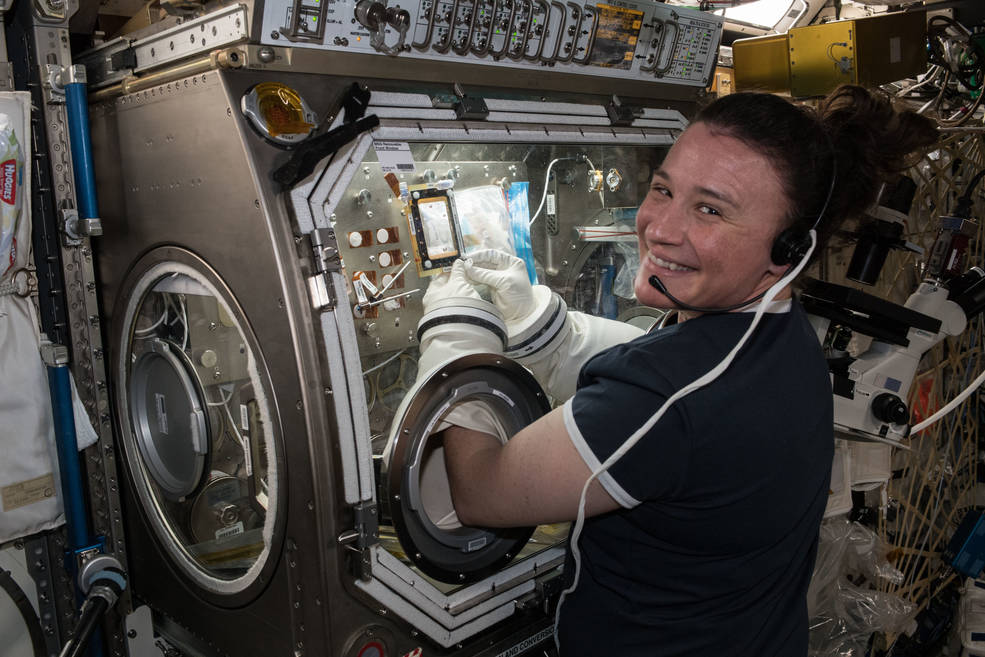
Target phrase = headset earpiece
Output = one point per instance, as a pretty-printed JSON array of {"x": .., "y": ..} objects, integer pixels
[{"x": 790, "y": 246}]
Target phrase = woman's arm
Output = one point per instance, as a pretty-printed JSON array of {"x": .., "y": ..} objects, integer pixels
[{"x": 536, "y": 478}]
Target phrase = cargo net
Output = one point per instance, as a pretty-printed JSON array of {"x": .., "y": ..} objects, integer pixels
[{"x": 896, "y": 591}]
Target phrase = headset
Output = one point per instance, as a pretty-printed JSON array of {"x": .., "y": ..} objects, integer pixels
[{"x": 789, "y": 248}]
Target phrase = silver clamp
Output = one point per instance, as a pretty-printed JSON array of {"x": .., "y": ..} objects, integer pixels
[
  {"x": 54, "y": 355},
  {"x": 76, "y": 228},
  {"x": 57, "y": 77}
]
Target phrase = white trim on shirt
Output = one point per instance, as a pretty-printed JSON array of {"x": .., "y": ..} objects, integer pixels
[
  {"x": 608, "y": 482},
  {"x": 776, "y": 307}
]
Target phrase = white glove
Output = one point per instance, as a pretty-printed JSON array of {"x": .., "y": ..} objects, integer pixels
[
  {"x": 447, "y": 285},
  {"x": 506, "y": 276}
]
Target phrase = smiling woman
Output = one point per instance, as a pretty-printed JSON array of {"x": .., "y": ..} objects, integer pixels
[
  {"x": 777, "y": 167},
  {"x": 701, "y": 231},
  {"x": 700, "y": 541}
]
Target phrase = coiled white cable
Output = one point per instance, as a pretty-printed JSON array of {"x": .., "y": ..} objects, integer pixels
[{"x": 698, "y": 383}]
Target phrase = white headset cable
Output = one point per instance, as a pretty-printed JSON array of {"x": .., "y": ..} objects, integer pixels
[{"x": 698, "y": 383}]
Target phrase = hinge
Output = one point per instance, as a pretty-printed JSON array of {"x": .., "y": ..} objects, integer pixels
[
  {"x": 325, "y": 250},
  {"x": 325, "y": 255},
  {"x": 365, "y": 534}
]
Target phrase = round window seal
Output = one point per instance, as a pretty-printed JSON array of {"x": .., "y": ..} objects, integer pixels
[{"x": 454, "y": 553}]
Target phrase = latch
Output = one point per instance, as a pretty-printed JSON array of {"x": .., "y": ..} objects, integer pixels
[
  {"x": 621, "y": 115},
  {"x": 124, "y": 60},
  {"x": 469, "y": 107}
]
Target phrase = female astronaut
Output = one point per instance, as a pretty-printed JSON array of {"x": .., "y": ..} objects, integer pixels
[{"x": 701, "y": 540}]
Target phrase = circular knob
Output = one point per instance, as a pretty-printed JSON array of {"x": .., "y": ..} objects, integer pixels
[
  {"x": 397, "y": 18},
  {"x": 370, "y": 15},
  {"x": 227, "y": 514},
  {"x": 208, "y": 358},
  {"x": 887, "y": 407}
]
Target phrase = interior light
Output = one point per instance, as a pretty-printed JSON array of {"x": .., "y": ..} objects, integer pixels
[{"x": 761, "y": 13}]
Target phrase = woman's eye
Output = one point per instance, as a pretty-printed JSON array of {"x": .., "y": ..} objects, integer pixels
[{"x": 659, "y": 189}]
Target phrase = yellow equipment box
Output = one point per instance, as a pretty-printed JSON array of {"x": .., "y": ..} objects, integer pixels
[{"x": 813, "y": 60}]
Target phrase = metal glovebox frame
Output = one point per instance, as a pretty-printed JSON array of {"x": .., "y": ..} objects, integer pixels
[
  {"x": 315, "y": 201},
  {"x": 183, "y": 178}
]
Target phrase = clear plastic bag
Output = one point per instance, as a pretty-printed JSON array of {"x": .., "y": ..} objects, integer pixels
[
  {"x": 625, "y": 281},
  {"x": 844, "y": 615},
  {"x": 484, "y": 219}
]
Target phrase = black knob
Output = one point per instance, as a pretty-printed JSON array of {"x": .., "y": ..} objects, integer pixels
[
  {"x": 371, "y": 15},
  {"x": 887, "y": 407},
  {"x": 396, "y": 18}
]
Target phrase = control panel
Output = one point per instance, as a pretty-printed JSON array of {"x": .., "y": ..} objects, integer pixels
[{"x": 636, "y": 40}]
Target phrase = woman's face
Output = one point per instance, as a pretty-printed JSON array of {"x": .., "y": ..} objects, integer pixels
[{"x": 708, "y": 223}]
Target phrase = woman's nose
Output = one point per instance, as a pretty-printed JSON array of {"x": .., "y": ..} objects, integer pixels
[{"x": 662, "y": 223}]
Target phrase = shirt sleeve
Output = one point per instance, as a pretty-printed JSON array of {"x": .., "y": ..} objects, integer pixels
[{"x": 617, "y": 397}]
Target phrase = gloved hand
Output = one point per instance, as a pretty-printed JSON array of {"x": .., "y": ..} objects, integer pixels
[
  {"x": 506, "y": 276},
  {"x": 447, "y": 285}
]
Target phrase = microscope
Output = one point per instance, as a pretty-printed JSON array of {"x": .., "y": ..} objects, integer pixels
[{"x": 871, "y": 389}]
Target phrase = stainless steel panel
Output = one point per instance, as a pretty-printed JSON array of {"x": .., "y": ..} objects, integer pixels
[{"x": 184, "y": 180}]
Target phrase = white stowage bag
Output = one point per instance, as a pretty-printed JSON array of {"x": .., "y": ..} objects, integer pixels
[{"x": 29, "y": 480}]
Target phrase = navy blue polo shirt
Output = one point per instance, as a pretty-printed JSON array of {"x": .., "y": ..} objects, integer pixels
[{"x": 713, "y": 548}]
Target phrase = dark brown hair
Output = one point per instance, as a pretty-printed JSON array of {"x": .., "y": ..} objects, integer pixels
[{"x": 854, "y": 136}]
